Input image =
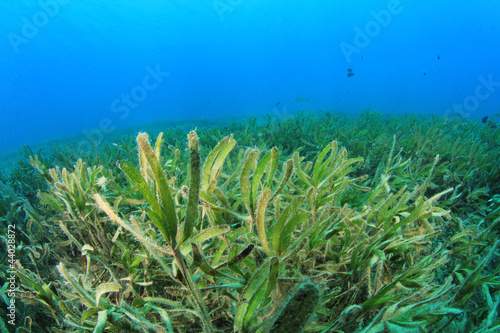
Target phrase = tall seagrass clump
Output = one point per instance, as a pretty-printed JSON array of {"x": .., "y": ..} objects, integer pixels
[{"x": 244, "y": 239}]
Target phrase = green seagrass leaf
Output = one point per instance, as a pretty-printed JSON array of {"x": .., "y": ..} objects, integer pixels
[
  {"x": 199, "y": 261},
  {"x": 169, "y": 223},
  {"x": 286, "y": 234},
  {"x": 102, "y": 319},
  {"x": 275, "y": 156},
  {"x": 104, "y": 288},
  {"x": 273, "y": 276},
  {"x": 302, "y": 175},
  {"x": 158, "y": 144},
  {"x": 235, "y": 257},
  {"x": 254, "y": 304},
  {"x": 215, "y": 171},
  {"x": 164, "y": 301},
  {"x": 405, "y": 326},
  {"x": 288, "y": 169},
  {"x": 194, "y": 186},
  {"x": 261, "y": 216},
  {"x": 246, "y": 191},
  {"x": 319, "y": 166},
  {"x": 262, "y": 166},
  {"x": 88, "y": 313},
  {"x": 380, "y": 297},
  {"x": 252, "y": 294},
  {"x": 137, "y": 179},
  {"x": 209, "y": 161},
  {"x": 278, "y": 230},
  {"x": 211, "y": 233}
]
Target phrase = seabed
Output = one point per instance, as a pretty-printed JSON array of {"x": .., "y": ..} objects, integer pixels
[{"x": 311, "y": 222}]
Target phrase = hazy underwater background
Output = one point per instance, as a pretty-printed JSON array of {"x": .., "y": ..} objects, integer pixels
[
  {"x": 340, "y": 173},
  {"x": 86, "y": 68}
]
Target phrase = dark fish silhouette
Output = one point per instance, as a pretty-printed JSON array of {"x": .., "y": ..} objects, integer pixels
[
  {"x": 349, "y": 70},
  {"x": 439, "y": 58},
  {"x": 350, "y": 74},
  {"x": 278, "y": 103},
  {"x": 485, "y": 119}
]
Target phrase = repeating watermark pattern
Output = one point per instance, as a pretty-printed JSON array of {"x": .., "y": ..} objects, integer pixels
[
  {"x": 484, "y": 89},
  {"x": 222, "y": 7},
  {"x": 31, "y": 26},
  {"x": 281, "y": 114},
  {"x": 122, "y": 107},
  {"x": 11, "y": 274},
  {"x": 363, "y": 37}
]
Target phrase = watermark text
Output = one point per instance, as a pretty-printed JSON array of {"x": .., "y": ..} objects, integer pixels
[
  {"x": 32, "y": 25},
  {"x": 11, "y": 274}
]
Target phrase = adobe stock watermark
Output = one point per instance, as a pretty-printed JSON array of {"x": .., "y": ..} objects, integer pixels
[
  {"x": 223, "y": 6},
  {"x": 11, "y": 274},
  {"x": 32, "y": 25},
  {"x": 281, "y": 114},
  {"x": 484, "y": 89},
  {"x": 122, "y": 107},
  {"x": 364, "y": 36}
]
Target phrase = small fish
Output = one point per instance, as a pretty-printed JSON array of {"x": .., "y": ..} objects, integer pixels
[
  {"x": 350, "y": 74},
  {"x": 301, "y": 99},
  {"x": 349, "y": 70},
  {"x": 485, "y": 119},
  {"x": 278, "y": 103},
  {"x": 425, "y": 73},
  {"x": 439, "y": 58}
]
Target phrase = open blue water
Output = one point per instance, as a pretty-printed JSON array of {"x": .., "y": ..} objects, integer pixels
[{"x": 81, "y": 67}]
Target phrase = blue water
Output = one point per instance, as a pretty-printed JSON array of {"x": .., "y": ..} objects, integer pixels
[{"x": 70, "y": 67}]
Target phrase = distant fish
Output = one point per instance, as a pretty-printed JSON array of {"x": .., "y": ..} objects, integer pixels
[
  {"x": 425, "y": 73},
  {"x": 439, "y": 58},
  {"x": 485, "y": 119},
  {"x": 278, "y": 103},
  {"x": 301, "y": 99},
  {"x": 349, "y": 69},
  {"x": 350, "y": 74}
]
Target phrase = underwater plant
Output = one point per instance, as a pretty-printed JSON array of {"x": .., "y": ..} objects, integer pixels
[{"x": 237, "y": 238}]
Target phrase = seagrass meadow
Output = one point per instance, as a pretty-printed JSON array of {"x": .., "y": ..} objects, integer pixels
[{"x": 312, "y": 223}]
